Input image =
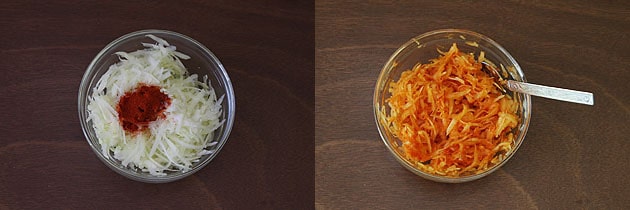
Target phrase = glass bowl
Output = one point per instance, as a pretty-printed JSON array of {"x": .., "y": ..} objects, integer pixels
[
  {"x": 202, "y": 62},
  {"x": 421, "y": 49}
]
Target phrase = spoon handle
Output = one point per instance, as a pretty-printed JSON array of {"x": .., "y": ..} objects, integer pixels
[{"x": 561, "y": 94}]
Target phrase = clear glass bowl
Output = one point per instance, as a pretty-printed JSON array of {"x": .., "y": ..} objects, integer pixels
[
  {"x": 420, "y": 50},
  {"x": 202, "y": 62}
]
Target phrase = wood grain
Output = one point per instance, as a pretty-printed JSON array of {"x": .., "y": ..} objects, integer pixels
[
  {"x": 574, "y": 156},
  {"x": 267, "y": 49}
]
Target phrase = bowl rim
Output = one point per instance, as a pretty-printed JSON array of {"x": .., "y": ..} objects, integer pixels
[
  {"x": 229, "y": 99},
  {"x": 526, "y": 106}
]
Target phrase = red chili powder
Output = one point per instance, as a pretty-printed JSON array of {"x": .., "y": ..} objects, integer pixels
[{"x": 137, "y": 108}]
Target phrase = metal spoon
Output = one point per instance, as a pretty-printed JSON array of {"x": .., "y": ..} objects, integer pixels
[{"x": 555, "y": 93}]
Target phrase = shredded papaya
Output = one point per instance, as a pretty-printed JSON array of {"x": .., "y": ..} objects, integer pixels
[{"x": 450, "y": 118}]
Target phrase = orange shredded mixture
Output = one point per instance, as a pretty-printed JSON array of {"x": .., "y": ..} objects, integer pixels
[{"x": 450, "y": 117}]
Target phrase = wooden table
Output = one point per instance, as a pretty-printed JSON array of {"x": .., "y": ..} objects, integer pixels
[
  {"x": 574, "y": 156},
  {"x": 267, "y": 49}
]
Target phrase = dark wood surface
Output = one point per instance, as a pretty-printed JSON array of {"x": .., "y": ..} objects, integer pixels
[
  {"x": 267, "y": 49},
  {"x": 574, "y": 156}
]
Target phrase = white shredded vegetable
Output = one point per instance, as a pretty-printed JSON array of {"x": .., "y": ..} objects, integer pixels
[{"x": 172, "y": 143}]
